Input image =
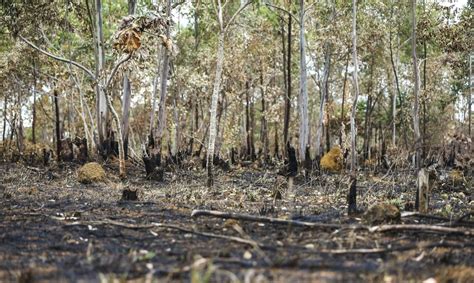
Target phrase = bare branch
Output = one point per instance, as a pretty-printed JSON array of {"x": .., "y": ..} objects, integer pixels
[
  {"x": 285, "y": 11},
  {"x": 236, "y": 14},
  {"x": 58, "y": 58},
  {"x": 114, "y": 70}
]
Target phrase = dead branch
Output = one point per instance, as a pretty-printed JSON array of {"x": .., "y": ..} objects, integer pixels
[
  {"x": 211, "y": 235},
  {"x": 262, "y": 219},
  {"x": 168, "y": 226},
  {"x": 422, "y": 228},
  {"x": 398, "y": 249}
]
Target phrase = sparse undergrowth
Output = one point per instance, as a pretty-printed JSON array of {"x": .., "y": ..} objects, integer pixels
[{"x": 55, "y": 228}]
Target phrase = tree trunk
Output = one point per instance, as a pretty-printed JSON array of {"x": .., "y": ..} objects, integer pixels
[
  {"x": 416, "y": 75},
  {"x": 286, "y": 123},
  {"x": 324, "y": 90},
  {"x": 58, "y": 129},
  {"x": 127, "y": 94},
  {"x": 5, "y": 102},
  {"x": 33, "y": 124},
  {"x": 284, "y": 68},
  {"x": 368, "y": 123},
  {"x": 163, "y": 92},
  {"x": 264, "y": 126},
  {"x": 248, "y": 137},
  {"x": 469, "y": 100},
  {"x": 303, "y": 97},
  {"x": 101, "y": 100},
  {"x": 213, "y": 111},
  {"x": 352, "y": 197},
  {"x": 395, "y": 94},
  {"x": 343, "y": 102}
]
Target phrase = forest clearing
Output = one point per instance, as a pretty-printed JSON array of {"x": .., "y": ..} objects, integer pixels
[{"x": 236, "y": 141}]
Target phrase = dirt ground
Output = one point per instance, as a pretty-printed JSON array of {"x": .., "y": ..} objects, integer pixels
[{"x": 53, "y": 228}]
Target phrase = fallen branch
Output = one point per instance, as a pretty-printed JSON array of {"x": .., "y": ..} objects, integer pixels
[
  {"x": 422, "y": 228},
  {"x": 397, "y": 249},
  {"x": 168, "y": 226},
  {"x": 263, "y": 219},
  {"x": 211, "y": 235}
]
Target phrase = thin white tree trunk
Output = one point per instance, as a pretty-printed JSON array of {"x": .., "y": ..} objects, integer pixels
[
  {"x": 217, "y": 88},
  {"x": 356, "y": 88},
  {"x": 127, "y": 94},
  {"x": 213, "y": 111},
  {"x": 352, "y": 203},
  {"x": 303, "y": 97},
  {"x": 101, "y": 100},
  {"x": 324, "y": 94},
  {"x": 155, "y": 90},
  {"x": 163, "y": 89},
  {"x": 416, "y": 74}
]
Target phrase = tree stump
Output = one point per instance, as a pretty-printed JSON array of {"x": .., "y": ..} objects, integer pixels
[{"x": 422, "y": 191}]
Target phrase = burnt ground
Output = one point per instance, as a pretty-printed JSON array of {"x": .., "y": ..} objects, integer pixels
[{"x": 53, "y": 228}]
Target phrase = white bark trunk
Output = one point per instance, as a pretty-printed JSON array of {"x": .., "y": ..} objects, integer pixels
[
  {"x": 163, "y": 87},
  {"x": 416, "y": 74},
  {"x": 213, "y": 111},
  {"x": 101, "y": 100},
  {"x": 356, "y": 88},
  {"x": 303, "y": 97}
]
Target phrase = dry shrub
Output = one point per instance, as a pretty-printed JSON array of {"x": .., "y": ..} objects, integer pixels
[
  {"x": 90, "y": 173},
  {"x": 333, "y": 160},
  {"x": 381, "y": 213}
]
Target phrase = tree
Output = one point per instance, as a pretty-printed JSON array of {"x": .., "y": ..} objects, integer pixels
[
  {"x": 352, "y": 197},
  {"x": 223, "y": 27}
]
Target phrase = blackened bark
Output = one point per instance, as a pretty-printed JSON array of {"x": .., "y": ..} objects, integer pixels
[
  {"x": 292, "y": 161},
  {"x": 352, "y": 197}
]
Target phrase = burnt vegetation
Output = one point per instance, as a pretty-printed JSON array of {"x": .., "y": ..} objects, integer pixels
[{"x": 236, "y": 141}]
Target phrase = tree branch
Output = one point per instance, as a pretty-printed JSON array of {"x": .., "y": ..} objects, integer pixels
[
  {"x": 285, "y": 11},
  {"x": 236, "y": 14},
  {"x": 114, "y": 70},
  {"x": 58, "y": 58}
]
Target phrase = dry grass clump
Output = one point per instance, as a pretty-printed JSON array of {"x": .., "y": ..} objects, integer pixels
[
  {"x": 91, "y": 173},
  {"x": 332, "y": 161}
]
